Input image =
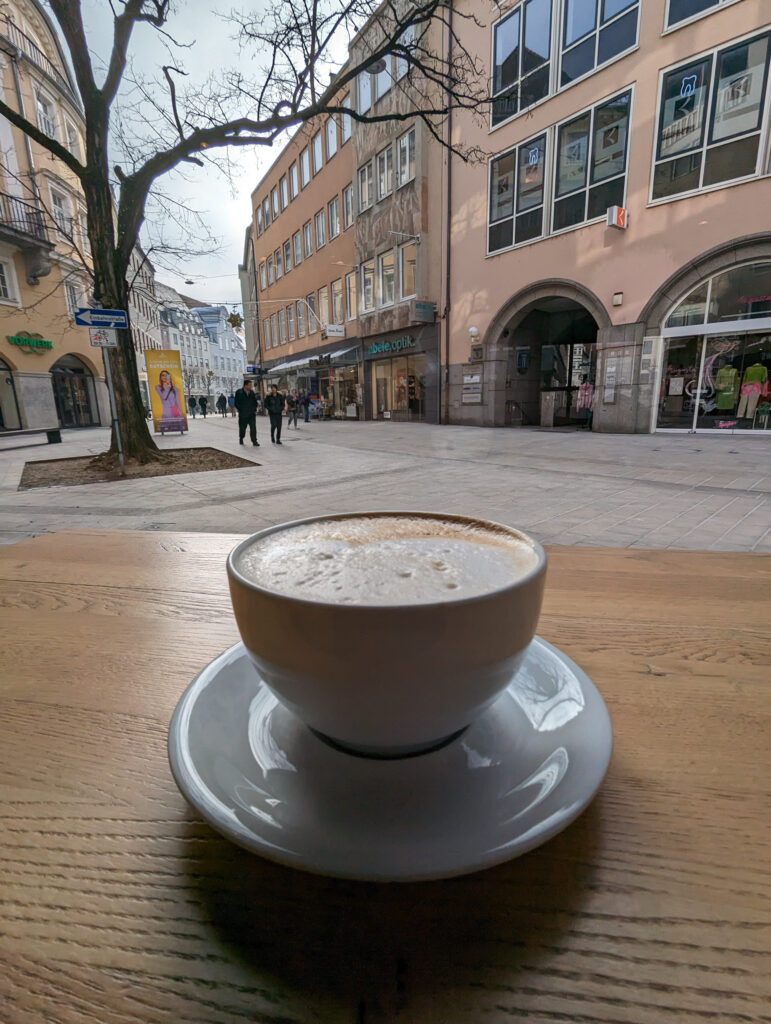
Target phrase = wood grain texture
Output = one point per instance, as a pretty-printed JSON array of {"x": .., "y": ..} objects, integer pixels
[{"x": 120, "y": 905}]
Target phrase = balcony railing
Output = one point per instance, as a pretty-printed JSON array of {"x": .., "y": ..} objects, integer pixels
[
  {"x": 32, "y": 52},
  {"x": 22, "y": 217}
]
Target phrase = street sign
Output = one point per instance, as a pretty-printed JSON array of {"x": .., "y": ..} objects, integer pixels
[
  {"x": 101, "y": 317},
  {"x": 103, "y": 337}
]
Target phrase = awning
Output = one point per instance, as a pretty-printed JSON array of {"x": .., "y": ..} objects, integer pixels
[
  {"x": 340, "y": 352},
  {"x": 286, "y": 366}
]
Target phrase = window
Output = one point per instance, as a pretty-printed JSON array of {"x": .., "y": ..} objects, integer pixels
[
  {"x": 274, "y": 330},
  {"x": 710, "y": 119},
  {"x": 282, "y": 326},
  {"x": 318, "y": 155},
  {"x": 274, "y": 202},
  {"x": 591, "y": 163},
  {"x": 258, "y": 219},
  {"x": 594, "y": 32},
  {"x": 72, "y": 296},
  {"x": 682, "y": 10},
  {"x": 383, "y": 80},
  {"x": 368, "y": 284},
  {"x": 293, "y": 188},
  {"x": 323, "y": 311},
  {"x": 6, "y": 277},
  {"x": 347, "y": 206},
  {"x": 406, "y": 157},
  {"x": 337, "y": 301},
  {"x": 365, "y": 187},
  {"x": 385, "y": 172},
  {"x": 290, "y": 322},
  {"x": 385, "y": 274},
  {"x": 408, "y": 255},
  {"x": 60, "y": 210},
  {"x": 271, "y": 276},
  {"x": 521, "y": 47},
  {"x": 263, "y": 277},
  {"x": 73, "y": 139},
  {"x": 345, "y": 121},
  {"x": 287, "y": 256},
  {"x": 319, "y": 222},
  {"x": 297, "y": 247},
  {"x": 313, "y": 323},
  {"x": 364, "y": 88},
  {"x": 333, "y": 210},
  {"x": 300, "y": 318},
  {"x": 266, "y": 212},
  {"x": 305, "y": 168},
  {"x": 517, "y": 195},
  {"x": 284, "y": 192},
  {"x": 46, "y": 116},
  {"x": 350, "y": 294},
  {"x": 307, "y": 239},
  {"x": 277, "y": 261},
  {"x": 331, "y": 131}
]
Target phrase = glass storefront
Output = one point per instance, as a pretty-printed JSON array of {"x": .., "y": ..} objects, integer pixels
[
  {"x": 399, "y": 387},
  {"x": 74, "y": 393},
  {"x": 340, "y": 393}
]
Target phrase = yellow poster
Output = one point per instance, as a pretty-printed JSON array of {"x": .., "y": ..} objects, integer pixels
[{"x": 164, "y": 379}]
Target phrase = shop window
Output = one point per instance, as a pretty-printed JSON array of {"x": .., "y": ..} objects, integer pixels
[
  {"x": 364, "y": 90},
  {"x": 350, "y": 295},
  {"x": 365, "y": 187},
  {"x": 293, "y": 188},
  {"x": 297, "y": 247},
  {"x": 290, "y": 322},
  {"x": 368, "y": 284},
  {"x": 274, "y": 202},
  {"x": 300, "y": 318},
  {"x": 347, "y": 206},
  {"x": 277, "y": 260},
  {"x": 322, "y": 313},
  {"x": 305, "y": 168},
  {"x": 406, "y": 157},
  {"x": 594, "y": 33},
  {"x": 591, "y": 163},
  {"x": 521, "y": 48},
  {"x": 408, "y": 255},
  {"x": 385, "y": 275},
  {"x": 319, "y": 221},
  {"x": 711, "y": 119},
  {"x": 307, "y": 239},
  {"x": 318, "y": 154},
  {"x": 331, "y": 131},
  {"x": 282, "y": 326},
  {"x": 337, "y": 301},
  {"x": 402, "y": 64},
  {"x": 345, "y": 121},
  {"x": 684, "y": 10},
  {"x": 333, "y": 214},
  {"x": 385, "y": 172},
  {"x": 517, "y": 191}
]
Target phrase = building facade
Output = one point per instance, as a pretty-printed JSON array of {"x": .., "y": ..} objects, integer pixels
[
  {"x": 49, "y": 374},
  {"x": 182, "y": 329},
  {"x": 227, "y": 352},
  {"x": 611, "y": 266},
  {"x": 144, "y": 313}
]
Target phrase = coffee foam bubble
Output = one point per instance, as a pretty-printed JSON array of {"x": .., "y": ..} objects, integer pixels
[{"x": 386, "y": 560}]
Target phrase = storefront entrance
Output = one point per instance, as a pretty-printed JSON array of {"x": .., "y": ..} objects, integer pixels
[
  {"x": 74, "y": 393},
  {"x": 399, "y": 388}
]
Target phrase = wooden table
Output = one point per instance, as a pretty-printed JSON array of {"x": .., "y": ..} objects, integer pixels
[{"x": 119, "y": 904}]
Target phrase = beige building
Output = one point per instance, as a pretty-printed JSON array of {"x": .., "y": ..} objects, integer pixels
[
  {"x": 50, "y": 375},
  {"x": 653, "y": 116}
]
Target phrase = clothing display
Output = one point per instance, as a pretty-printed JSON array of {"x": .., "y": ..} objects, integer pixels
[
  {"x": 726, "y": 387},
  {"x": 753, "y": 386}
]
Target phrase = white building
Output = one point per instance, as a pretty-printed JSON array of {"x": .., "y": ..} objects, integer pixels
[
  {"x": 183, "y": 330},
  {"x": 226, "y": 350},
  {"x": 144, "y": 311}
]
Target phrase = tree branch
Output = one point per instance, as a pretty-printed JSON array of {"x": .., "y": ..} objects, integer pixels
[{"x": 54, "y": 148}]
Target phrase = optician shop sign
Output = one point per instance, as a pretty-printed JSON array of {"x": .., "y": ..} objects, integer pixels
[
  {"x": 32, "y": 342},
  {"x": 378, "y": 348}
]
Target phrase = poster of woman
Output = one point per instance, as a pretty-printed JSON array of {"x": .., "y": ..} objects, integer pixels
[{"x": 164, "y": 374}]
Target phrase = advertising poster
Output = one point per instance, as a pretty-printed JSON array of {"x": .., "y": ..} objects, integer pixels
[{"x": 167, "y": 400}]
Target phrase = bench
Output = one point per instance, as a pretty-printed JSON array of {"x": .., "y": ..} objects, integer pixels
[{"x": 53, "y": 434}]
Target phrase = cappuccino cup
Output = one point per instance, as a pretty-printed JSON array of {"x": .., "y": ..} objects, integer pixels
[{"x": 387, "y": 633}]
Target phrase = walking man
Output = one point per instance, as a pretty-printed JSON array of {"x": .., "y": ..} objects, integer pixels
[
  {"x": 246, "y": 403},
  {"x": 274, "y": 403}
]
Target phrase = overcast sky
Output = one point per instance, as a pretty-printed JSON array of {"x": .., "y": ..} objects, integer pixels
[{"x": 224, "y": 206}]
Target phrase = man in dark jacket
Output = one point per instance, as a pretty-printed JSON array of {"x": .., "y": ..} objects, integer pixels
[
  {"x": 274, "y": 404},
  {"x": 246, "y": 403}
]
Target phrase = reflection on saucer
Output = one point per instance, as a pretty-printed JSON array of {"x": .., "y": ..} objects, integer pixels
[{"x": 548, "y": 691}]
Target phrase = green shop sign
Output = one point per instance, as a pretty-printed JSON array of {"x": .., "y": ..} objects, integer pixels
[
  {"x": 32, "y": 341},
  {"x": 397, "y": 345}
]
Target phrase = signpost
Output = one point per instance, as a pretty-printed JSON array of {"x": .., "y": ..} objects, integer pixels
[
  {"x": 105, "y": 337},
  {"x": 102, "y": 318}
]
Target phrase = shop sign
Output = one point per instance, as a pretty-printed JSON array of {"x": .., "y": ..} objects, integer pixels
[
  {"x": 384, "y": 347},
  {"x": 30, "y": 342},
  {"x": 335, "y": 331},
  {"x": 617, "y": 217},
  {"x": 422, "y": 312}
]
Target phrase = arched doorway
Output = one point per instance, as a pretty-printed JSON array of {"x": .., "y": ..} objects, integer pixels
[
  {"x": 10, "y": 418},
  {"x": 74, "y": 393}
]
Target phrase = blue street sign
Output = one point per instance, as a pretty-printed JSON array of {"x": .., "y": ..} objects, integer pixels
[{"x": 101, "y": 317}]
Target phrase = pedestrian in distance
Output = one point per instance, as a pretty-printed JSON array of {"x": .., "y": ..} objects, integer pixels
[
  {"x": 202, "y": 403},
  {"x": 245, "y": 401},
  {"x": 192, "y": 405},
  {"x": 305, "y": 402},
  {"x": 232, "y": 405},
  {"x": 292, "y": 408},
  {"x": 222, "y": 405},
  {"x": 274, "y": 406}
]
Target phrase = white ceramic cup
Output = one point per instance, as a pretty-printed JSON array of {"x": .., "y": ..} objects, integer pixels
[{"x": 387, "y": 680}]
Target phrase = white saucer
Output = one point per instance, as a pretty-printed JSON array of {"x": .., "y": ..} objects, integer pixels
[{"x": 515, "y": 778}]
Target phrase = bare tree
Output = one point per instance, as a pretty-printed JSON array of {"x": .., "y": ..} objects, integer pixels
[{"x": 295, "y": 43}]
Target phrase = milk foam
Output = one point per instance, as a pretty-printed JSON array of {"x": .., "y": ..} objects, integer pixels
[{"x": 387, "y": 560}]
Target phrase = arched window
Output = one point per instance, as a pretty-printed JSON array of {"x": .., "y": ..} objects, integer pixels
[
  {"x": 728, "y": 301},
  {"x": 74, "y": 393}
]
